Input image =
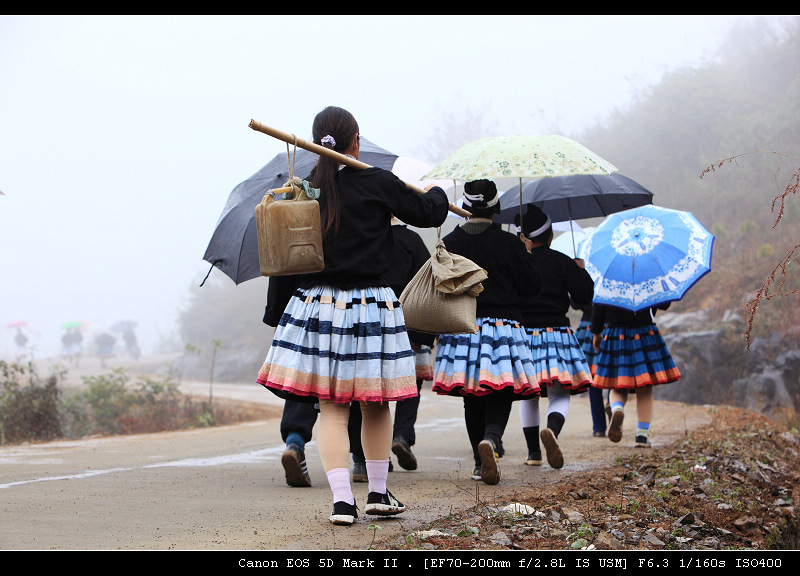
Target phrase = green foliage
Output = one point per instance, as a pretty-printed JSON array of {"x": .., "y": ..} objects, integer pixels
[
  {"x": 32, "y": 409},
  {"x": 28, "y": 405}
]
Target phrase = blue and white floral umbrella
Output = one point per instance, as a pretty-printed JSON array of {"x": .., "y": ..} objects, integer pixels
[{"x": 646, "y": 256}]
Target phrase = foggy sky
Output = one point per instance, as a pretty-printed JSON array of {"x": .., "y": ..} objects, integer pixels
[{"x": 121, "y": 137}]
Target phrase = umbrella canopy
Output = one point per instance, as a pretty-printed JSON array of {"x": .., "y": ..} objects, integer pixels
[
  {"x": 73, "y": 324},
  {"x": 124, "y": 325},
  {"x": 646, "y": 256},
  {"x": 17, "y": 324},
  {"x": 520, "y": 157},
  {"x": 568, "y": 242},
  {"x": 234, "y": 244},
  {"x": 577, "y": 197}
]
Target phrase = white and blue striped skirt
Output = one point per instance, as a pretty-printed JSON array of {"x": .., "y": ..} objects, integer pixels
[
  {"x": 341, "y": 345},
  {"x": 584, "y": 336},
  {"x": 558, "y": 359},
  {"x": 631, "y": 358},
  {"x": 495, "y": 358}
]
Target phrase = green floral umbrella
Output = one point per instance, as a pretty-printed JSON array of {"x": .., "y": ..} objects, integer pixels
[{"x": 520, "y": 157}]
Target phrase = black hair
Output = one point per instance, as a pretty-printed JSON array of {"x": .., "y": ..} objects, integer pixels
[{"x": 340, "y": 125}]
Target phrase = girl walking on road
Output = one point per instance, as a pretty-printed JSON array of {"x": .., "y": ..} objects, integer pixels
[
  {"x": 493, "y": 367},
  {"x": 342, "y": 337},
  {"x": 559, "y": 362},
  {"x": 632, "y": 357}
]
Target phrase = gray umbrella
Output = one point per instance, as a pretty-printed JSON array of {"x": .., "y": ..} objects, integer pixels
[
  {"x": 234, "y": 244},
  {"x": 576, "y": 197}
]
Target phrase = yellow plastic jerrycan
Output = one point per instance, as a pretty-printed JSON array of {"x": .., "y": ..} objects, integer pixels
[{"x": 289, "y": 232}]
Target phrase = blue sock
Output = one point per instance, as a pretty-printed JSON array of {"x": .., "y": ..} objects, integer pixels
[
  {"x": 617, "y": 406},
  {"x": 297, "y": 439}
]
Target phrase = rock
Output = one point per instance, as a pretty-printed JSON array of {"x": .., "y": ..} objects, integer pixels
[
  {"x": 747, "y": 524},
  {"x": 605, "y": 540},
  {"x": 652, "y": 539}
]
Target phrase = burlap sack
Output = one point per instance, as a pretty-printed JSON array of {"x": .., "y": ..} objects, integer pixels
[{"x": 441, "y": 298}]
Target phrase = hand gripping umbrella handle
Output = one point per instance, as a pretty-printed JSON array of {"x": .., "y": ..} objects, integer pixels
[{"x": 340, "y": 158}]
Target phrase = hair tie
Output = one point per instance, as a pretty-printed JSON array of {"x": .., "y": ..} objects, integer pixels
[{"x": 328, "y": 140}]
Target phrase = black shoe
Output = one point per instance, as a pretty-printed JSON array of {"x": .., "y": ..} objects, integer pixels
[
  {"x": 383, "y": 504},
  {"x": 344, "y": 514},
  {"x": 490, "y": 471},
  {"x": 294, "y": 464},
  {"x": 643, "y": 442},
  {"x": 599, "y": 434},
  {"x": 404, "y": 455}
]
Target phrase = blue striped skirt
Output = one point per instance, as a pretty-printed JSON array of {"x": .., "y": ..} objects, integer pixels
[
  {"x": 423, "y": 360},
  {"x": 631, "y": 358},
  {"x": 341, "y": 345},
  {"x": 558, "y": 359},
  {"x": 495, "y": 358},
  {"x": 584, "y": 336}
]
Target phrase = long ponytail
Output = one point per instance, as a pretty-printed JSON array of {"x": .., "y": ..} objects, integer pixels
[{"x": 333, "y": 128}]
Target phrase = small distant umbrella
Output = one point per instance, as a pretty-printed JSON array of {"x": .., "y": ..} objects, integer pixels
[
  {"x": 646, "y": 256},
  {"x": 73, "y": 324}
]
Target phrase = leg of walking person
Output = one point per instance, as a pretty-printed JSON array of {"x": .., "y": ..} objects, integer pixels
[
  {"x": 530, "y": 420},
  {"x": 557, "y": 409},
  {"x": 498, "y": 410},
  {"x": 334, "y": 448},
  {"x": 354, "y": 432},
  {"x": 644, "y": 414},
  {"x": 297, "y": 424},
  {"x": 475, "y": 420},
  {"x": 597, "y": 405},
  {"x": 617, "y": 399},
  {"x": 376, "y": 438},
  {"x": 404, "y": 436}
]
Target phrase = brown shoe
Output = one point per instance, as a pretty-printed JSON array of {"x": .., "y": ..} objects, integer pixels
[
  {"x": 554, "y": 456},
  {"x": 490, "y": 472},
  {"x": 615, "y": 428}
]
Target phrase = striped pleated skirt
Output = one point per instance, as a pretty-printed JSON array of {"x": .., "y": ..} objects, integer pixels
[
  {"x": 423, "y": 360},
  {"x": 558, "y": 359},
  {"x": 495, "y": 358},
  {"x": 583, "y": 334},
  {"x": 341, "y": 345},
  {"x": 631, "y": 358}
]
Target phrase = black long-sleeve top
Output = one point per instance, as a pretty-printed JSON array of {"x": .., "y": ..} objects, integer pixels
[
  {"x": 615, "y": 317},
  {"x": 362, "y": 253},
  {"x": 512, "y": 273},
  {"x": 562, "y": 280}
]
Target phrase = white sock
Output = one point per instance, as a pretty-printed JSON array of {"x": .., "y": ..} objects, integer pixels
[
  {"x": 377, "y": 473},
  {"x": 339, "y": 480}
]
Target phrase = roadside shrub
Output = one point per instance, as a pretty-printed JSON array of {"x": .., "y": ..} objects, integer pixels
[{"x": 28, "y": 405}]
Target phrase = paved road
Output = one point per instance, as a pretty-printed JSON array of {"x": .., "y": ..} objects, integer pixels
[{"x": 224, "y": 489}]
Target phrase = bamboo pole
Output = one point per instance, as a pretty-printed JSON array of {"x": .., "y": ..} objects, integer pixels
[{"x": 340, "y": 158}]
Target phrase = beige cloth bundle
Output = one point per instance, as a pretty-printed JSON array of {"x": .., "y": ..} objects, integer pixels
[{"x": 441, "y": 298}]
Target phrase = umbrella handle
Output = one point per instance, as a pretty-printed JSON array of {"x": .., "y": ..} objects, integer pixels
[{"x": 340, "y": 158}]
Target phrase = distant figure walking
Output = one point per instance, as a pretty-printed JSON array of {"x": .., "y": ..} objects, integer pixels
[
  {"x": 131, "y": 344},
  {"x": 105, "y": 347},
  {"x": 22, "y": 343}
]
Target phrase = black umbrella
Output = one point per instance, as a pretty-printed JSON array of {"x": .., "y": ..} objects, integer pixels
[
  {"x": 234, "y": 245},
  {"x": 565, "y": 198}
]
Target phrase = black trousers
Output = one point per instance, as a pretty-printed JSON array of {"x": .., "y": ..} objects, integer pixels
[{"x": 486, "y": 418}]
